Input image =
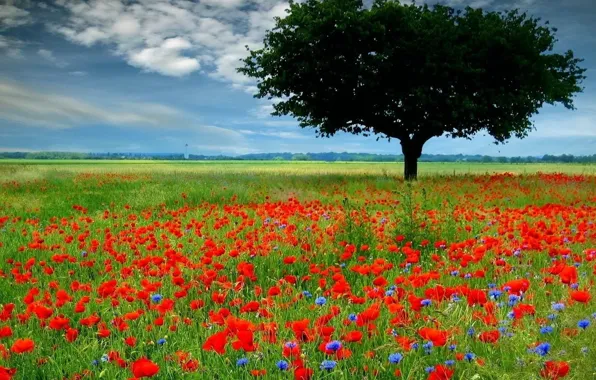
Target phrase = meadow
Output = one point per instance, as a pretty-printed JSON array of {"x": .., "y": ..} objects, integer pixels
[{"x": 296, "y": 270}]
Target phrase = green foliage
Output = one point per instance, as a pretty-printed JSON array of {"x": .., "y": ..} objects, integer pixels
[{"x": 411, "y": 72}]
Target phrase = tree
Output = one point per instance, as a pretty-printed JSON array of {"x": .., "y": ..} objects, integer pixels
[{"x": 410, "y": 72}]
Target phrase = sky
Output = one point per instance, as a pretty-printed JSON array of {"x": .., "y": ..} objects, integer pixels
[{"x": 154, "y": 75}]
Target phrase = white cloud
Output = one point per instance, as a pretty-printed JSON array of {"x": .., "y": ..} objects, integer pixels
[
  {"x": 78, "y": 73},
  {"x": 166, "y": 59},
  {"x": 48, "y": 55},
  {"x": 11, "y": 47},
  {"x": 174, "y": 37},
  {"x": 11, "y": 16},
  {"x": 278, "y": 134}
]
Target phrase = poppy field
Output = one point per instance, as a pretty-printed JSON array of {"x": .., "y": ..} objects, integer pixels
[{"x": 141, "y": 272}]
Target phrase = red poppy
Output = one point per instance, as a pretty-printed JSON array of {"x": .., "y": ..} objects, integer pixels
[
  {"x": 22, "y": 345},
  {"x": 144, "y": 368}
]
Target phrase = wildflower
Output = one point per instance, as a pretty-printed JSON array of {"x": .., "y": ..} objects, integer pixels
[
  {"x": 583, "y": 324},
  {"x": 395, "y": 358},
  {"x": 241, "y": 362},
  {"x": 334, "y": 345},
  {"x": 161, "y": 341},
  {"x": 328, "y": 364},
  {"x": 452, "y": 347},
  {"x": 105, "y": 358},
  {"x": 546, "y": 330},
  {"x": 156, "y": 298},
  {"x": 425, "y": 302},
  {"x": 450, "y": 363},
  {"x": 282, "y": 365},
  {"x": 144, "y": 368},
  {"x": 21, "y": 346},
  {"x": 428, "y": 346},
  {"x": 353, "y": 317},
  {"x": 306, "y": 294},
  {"x": 542, "y": 349},
  {"x": 321, "y": 301},
  {"x": 429, "y": 369},
  {"x": 471, "y": 331},
  {"x": 558, "y": 306}
]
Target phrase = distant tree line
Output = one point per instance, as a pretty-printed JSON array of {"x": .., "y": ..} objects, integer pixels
[{"x": 328, "y": 157}]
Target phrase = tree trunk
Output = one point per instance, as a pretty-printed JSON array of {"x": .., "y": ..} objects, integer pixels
[{"x": 412, "y": 151}]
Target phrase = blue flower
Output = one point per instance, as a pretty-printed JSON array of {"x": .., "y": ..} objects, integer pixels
[
  {"x": 242, "y": 362},
  {"x": 414, "y": 346},
  {"x": 469, "y": 356},
  {"x": 492, "y": 285},
  {"x": 429, "y": 369},
  {"x": 156, "y": 298},
  {"x": 306, "y": 294},
  {"x": 290, "y": 344},
  {"x": 558, "y": 306},
  {"x": 282, "y": 365},
  {"x": 84, "y": 253},
  {"x": 395, "y": 358},
  {"x": 450, "y": 363},
  {"x": 425, "y": 302},
  {"x": 334, "y": 345},
  {"x": 428, "y": 346},
  {"x": 161, "y": 341},
  {"x": 583, "y": 324},
  {"x": 494, "y": 294},
  {"x": 471, "y": 331},
  {"x": 513, "y": 299},
  {"x": 328, "y": 364},
  {"x": 389, "y": 293},
  {"x": 452, "y": 347},
  {"x": 105, "y": 358},
  {"x": 321, "y": 301},
  {"x": 551, "y": 316},
  {"x": 94, "y": 362},
  {"x": 353, "y": 317},
  {"x": 454, "y": 273},
  {"x": 546, "y": 330},
  {"x": 542, "y": 349},
  {"x": 574, "y": 286}
]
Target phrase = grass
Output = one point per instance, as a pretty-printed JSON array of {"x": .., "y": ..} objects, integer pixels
[{"x": 232, "y": 235}]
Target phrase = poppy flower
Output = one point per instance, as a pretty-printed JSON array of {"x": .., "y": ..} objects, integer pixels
[
  {"x": 144, "y": 368},
  {"x": 554, "y": 370},
  {"x": 22, "y": 345}
]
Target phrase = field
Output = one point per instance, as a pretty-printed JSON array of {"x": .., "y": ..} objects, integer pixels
[{"x": 234, "y": 270}]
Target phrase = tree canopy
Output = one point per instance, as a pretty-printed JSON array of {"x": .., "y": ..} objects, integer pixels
[{"x": 410, "y": 72}]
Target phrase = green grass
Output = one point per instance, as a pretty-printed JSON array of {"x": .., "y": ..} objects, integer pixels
[{"x": 181, "y": 205}]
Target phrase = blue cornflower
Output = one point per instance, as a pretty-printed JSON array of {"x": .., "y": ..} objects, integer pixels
[
  {"x": 334, "y": 345},
  {"x": 513, "y": 299},
  {"x": 306, "y": 294},
  {"x": 425, "y": 302},
  {"x": 471, "y": 331},
  {"x": 470, "y": 356},
  {"x": 414, "y": 346},
  {"x": 395, "y": 358},
  {"x": 156, "y": 298},
  {"x": 290, "y": 344},
  {"x": 583, "y": 324},
  {"x": 105, "y": 358},
  {"x": 558, "y": 306},
  {"x": 161, "y": 341},
  {"x": 452, "y": 347},
  {"x": 546, "y": 330},
  {"x": 282, "y": 365},
  {"x": 574, "y": 286},
  {"x": 551, "y": 316},
  {"x": 492, "y": 285},
  {"x": 353, "y": 317},
  {"x": 428, "y": 346},
  {"x": 542, "y": 349},
  {"x": 454, "y": 273},
  {"x": 94, "y": 362},
  {"x": 450, "y": 363},
  {"x": 328, "y": 364},
  {"x": 494, "y": 294},
  {"x": 468, "y": 275},
  {"x": 321, "y": 301},
  {"x": 84, "y": 253},
  {"x": 455, "y": 298},
  {"x": 389, "y": 293},
  {"x": 242, "y": 362},
  {"x": 429, "y": 369}
]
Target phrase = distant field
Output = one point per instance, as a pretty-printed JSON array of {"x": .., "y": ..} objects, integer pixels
[{"x": 30, "y": 169}]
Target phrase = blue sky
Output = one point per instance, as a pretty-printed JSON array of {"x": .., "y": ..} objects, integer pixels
[{"x": 154, "y": 75}]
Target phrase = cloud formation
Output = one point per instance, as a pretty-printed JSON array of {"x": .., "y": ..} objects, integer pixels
[
  {"x": 173, "y": 37},
  {"x": 12, "y": 16},
  {"x": 48, "y": 55}
]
